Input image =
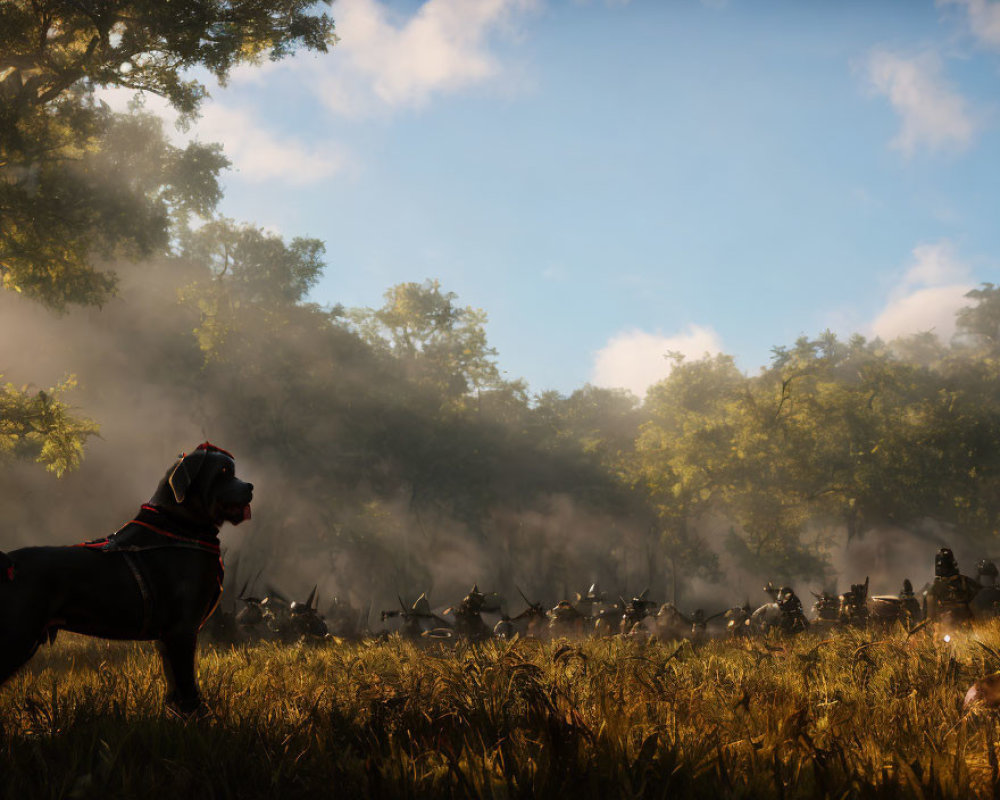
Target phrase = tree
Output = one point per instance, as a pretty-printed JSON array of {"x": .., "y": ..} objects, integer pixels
[
  {"x": 38, "y": 424},
  {"x": 69, "y": 195},
  {"x": 980, "y": 324},
  {"x": 81, "y": 186},
  {"x": 439, "y": 342},
  {"x": 112, "y": 195},
  {"x": 603, "y": 422},
  {"x": 253, "y": 279},
  {"x": 51, "y": 45},
  {"x": 680, "y": 451}
]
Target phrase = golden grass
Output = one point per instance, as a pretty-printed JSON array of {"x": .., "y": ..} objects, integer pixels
[{"x": 859, "y": 714}]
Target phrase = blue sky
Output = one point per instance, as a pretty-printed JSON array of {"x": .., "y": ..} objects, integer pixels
[{"x": 613, "y": 180}]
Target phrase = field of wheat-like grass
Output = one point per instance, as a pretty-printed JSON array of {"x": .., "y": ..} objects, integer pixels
[{"x": 856, "y": 714}]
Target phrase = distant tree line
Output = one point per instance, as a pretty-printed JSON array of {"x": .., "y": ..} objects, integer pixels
[{"x": 398, "y": 416}]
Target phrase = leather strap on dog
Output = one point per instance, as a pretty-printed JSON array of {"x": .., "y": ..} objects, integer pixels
[
  {"x": 128, "y": 538},
  {"x": 199, "y": 544},
  {"x": 147, "y": 603}
]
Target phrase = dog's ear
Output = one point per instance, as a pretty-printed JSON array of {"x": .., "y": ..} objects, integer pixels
[{"x": 184, "y": 474}]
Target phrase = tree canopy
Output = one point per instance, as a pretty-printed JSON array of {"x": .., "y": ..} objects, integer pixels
[
  {"x": 82, "y": 187},
  {"x": 391, "y": 429},
  {"x": 78, "y": 184}
]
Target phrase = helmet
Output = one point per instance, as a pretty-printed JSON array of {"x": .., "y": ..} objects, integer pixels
[
  {"x": 594, "y": 593},
  {"x": 945, "y": 565}
]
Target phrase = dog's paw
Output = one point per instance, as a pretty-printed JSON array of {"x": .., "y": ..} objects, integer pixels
[{"x": 186, "y": 710}]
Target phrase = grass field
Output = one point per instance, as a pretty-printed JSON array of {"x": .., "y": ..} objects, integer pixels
[{"x": 855, "y": 715}]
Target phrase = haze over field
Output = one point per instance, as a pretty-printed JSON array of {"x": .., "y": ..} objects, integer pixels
[{"x": 681, "y": 295}]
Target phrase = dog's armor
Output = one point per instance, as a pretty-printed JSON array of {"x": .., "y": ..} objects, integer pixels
[{"x": 152, "y": 529}]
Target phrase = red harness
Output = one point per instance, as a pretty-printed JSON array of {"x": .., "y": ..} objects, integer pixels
[
  {"x": 188, "y": 541},
  {"x": 170, "y": 541}
]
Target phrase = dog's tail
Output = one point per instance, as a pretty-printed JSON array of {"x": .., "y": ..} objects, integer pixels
[{"x": 6, "y": 568}]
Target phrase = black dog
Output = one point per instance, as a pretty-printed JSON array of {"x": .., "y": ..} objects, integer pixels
[{"x": 158, "y": 578}]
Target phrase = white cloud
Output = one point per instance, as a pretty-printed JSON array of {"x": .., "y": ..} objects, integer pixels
[
  {"x": 927, "y": 296},
  {"x": 635, "y": 360},
  {"x": 261, "y": 155},
  {"x": 984, "y": 19},
  {"x": 934, "y": 265},
  {"x": 932, "y": 114},
  {"x": 383, "y": 60},
  {"x": 257, "y": 153}
]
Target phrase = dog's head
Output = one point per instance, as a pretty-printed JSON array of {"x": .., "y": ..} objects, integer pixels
[{"x": 203, "y": 484}]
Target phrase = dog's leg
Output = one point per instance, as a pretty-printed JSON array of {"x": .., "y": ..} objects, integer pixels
[
  {"x": 15, "y": 650},
  {"x": 178, "y": 655},
  {"x": 22, "y": 621}
]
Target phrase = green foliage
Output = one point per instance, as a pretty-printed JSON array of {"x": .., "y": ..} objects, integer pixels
[
  {"x": 980, "y": 323},
  {"x": 40, "y": 425},
  {"x": 110, "y": 193},
  {"x": 603, "y": 422},
  {"x": 402, "y": 408},
  {"x": 51, "y": 45},
  {"x": 441, "y": 344},
  {"x": 252, "y": 279},
  {"x": 80, "y": 185},
  {"x": 259, "y": 268},
  {"x": 833, "y": 436}
]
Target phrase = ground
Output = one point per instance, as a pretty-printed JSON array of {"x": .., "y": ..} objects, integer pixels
[{"x": 853, "y": 714}]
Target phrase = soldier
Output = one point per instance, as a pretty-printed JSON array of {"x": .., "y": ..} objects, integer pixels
[
  {"x": 468, "y": 614},
  {"x": 589, "y": 604},
  {"x": 415, "y": 618},
  {"x": 277, "y": 617},
  {"x": 854, "y": 605},
  {"x": 505, "y": 629},
  {"x": 566, "y": 620},
  {"x": 533, "y": 621},
  {"x": 251, "y": 622},
  {"x": 637, "y": 609},
  {"x": 305, "y": 621},
  {"x": 608, "y": 621},
  {"x": 738, "y": 620},
  {"x": 671, "y": 623},
  {"x": 793, "y": 618},
  {"x": 986, "y": 603},
  {"x": 344, "y": 620},
  {"x": 948, "y": 598},
  {"x": 827, "y": 609},
  {"x": 699, "y": 624},
  {"x": 910, "y": 605},
  {"x": 986, "y": 574},
  {"x": 887, "y": 609}
]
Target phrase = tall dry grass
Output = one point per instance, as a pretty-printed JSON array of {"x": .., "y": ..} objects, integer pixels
[{"x": 866, "y": 715}]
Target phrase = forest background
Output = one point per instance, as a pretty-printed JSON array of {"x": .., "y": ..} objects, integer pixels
[{"x": 390, "y": 454}]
